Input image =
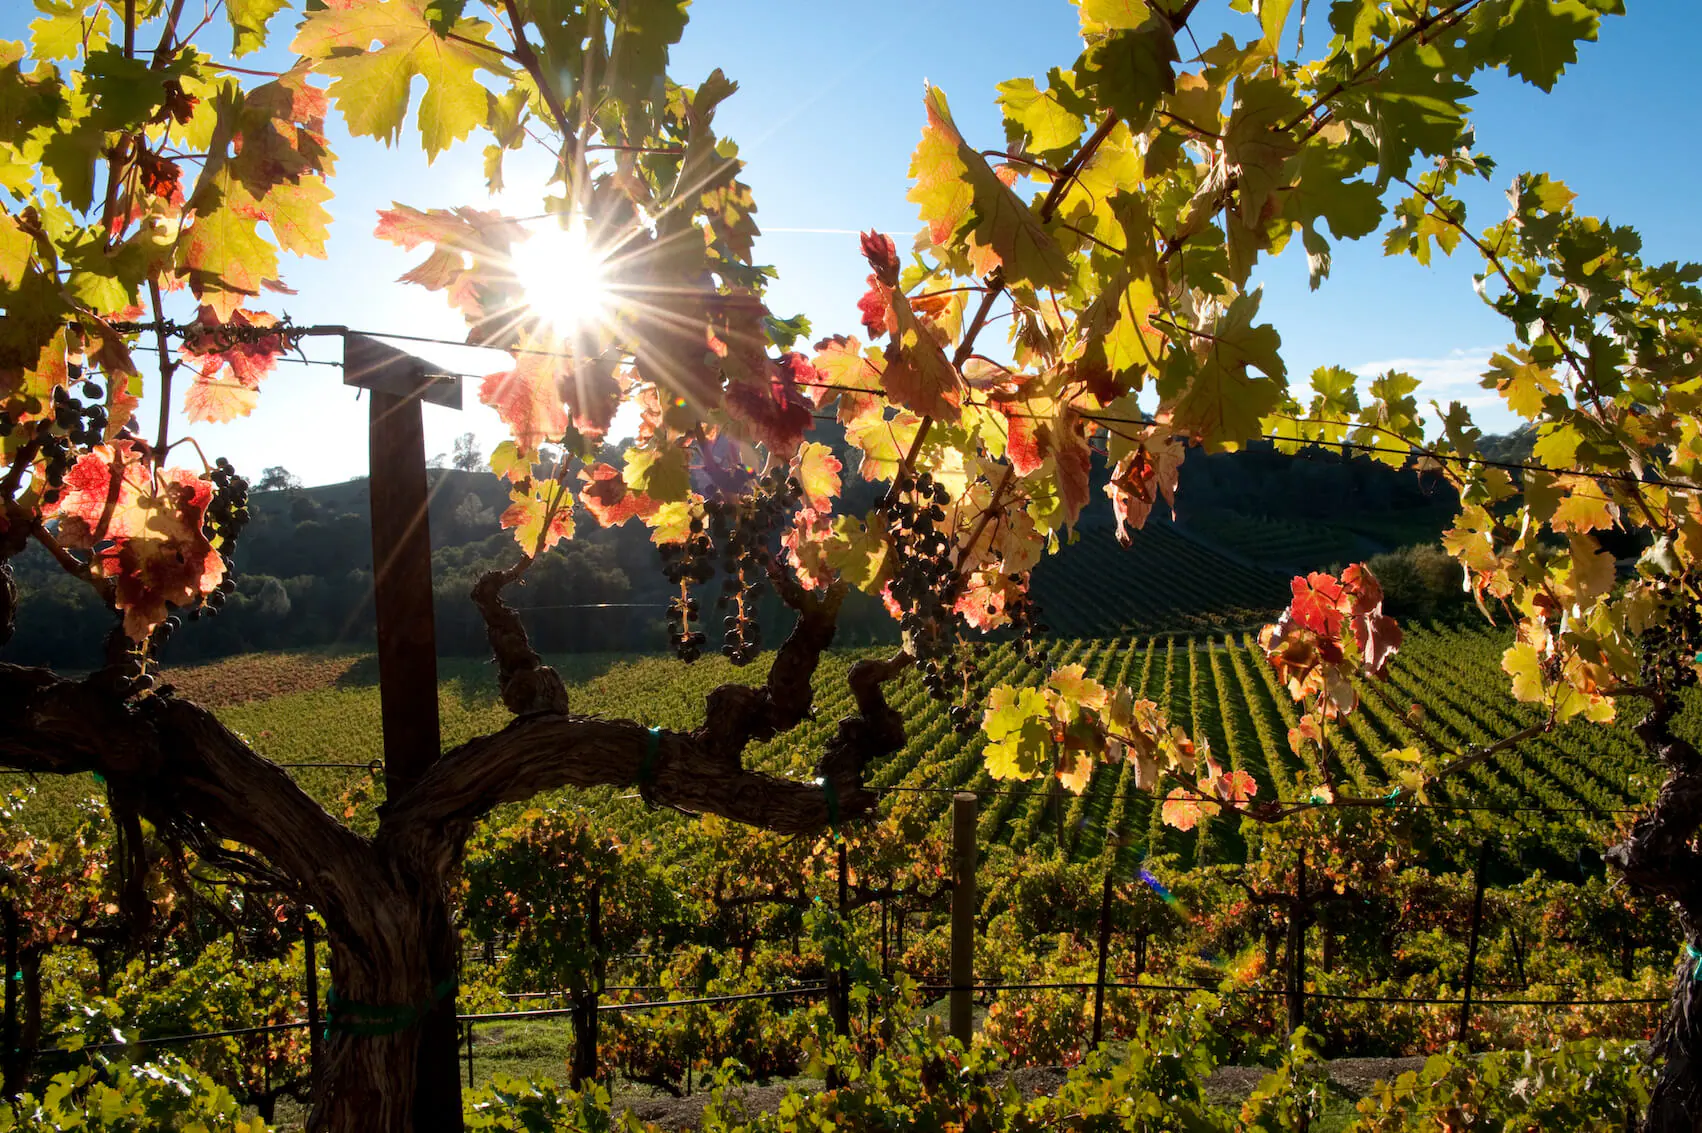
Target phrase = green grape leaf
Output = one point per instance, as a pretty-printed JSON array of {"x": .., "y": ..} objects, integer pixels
[
  {"x": 248, "y": 20},
  {"x": 859, "y": 553},
  {"x": 638, "y": 60},
  {"x": 223, "y": 253},
  {"x": 1539, "y": 38},
  {"x": 956, "y": 187},
  {"x": 64, "y": 27},
  {"x": 1132, "y": 69},
  {"x": 1099, "y": 16},
  {"x": 297, "y": 215},
  {"x": 1223, "y": 402},
  {"x": 371, "y": 86},
  {"x": 1017, "y": 722},
  {"x": 1036, "y": 120},
  {"x": 1273, "y": 14},
  {"x": 663, "y": 476}
]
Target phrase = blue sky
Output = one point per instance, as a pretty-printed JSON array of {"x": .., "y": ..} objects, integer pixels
[{"x": 828, "y": 111}]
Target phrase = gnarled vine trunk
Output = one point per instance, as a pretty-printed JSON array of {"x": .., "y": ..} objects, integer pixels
[
  {"x": 391, "y": 1063},
  {"x": 1660, "y": 858}
]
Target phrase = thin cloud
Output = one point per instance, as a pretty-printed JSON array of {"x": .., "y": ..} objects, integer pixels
[{"x": 1464, "y": 367}]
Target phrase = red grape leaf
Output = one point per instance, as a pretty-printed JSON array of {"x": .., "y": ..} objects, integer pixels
[
  {"x": 609, "y": 500},
  {"x": 527, "y": 400},
  {"x": 145, "y": 531}
]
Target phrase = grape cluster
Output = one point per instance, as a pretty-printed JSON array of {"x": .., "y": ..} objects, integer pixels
[
  {"x": 744, "y": 528},
  {"x": 924, "y": 581},
  {"x": 1671, "y": 647},
  {"x": 227, "y": 514},
  {"x": 1024, "y": 613},
  {"x": 925, "y": 587},
  {"x": 740, "y": 531},
  {"x": 73, "y": 425},
  {"x": 685, "y": 564}
]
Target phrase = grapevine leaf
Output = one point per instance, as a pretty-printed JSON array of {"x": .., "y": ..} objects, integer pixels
[
  {"x": 1018, "y": 733},
  {"x": 859, "y": 553},
  {"x": 918, "y": 374},
  {"x": 1524, "y": 384},
  {"x": 1036, "y": 120},
  {"x": 1098, "y": 16},
  {"x": 371, "y": 85},
  {"x": 1522, "y": 663},
  {"x": 530, "y": 510},
  {"x": 527, "y": 400},
  {"x": 818, "y": 471},
  {"x": 218, "y": 400},
  {"x": 883, "y": 442},
  {"x": 1540, "y": 37},
  {"x": 223, "y": 254},
  {"x": 608, "y": 498},
  {"x": 1184, "y": 812},
  {"x": 670, "y": 523},
  {"x": 663, "y": 475},
  {"x": 1223, "y": 403},
  {"x": 146, "y": 536},
  {"x": 1132, "y": 69},
  {"x": 61, "y": 31},
  {"x": 16, "y": 248},
  {"x": 248, "y": 20},
  {"x": 955, "y": 188}
]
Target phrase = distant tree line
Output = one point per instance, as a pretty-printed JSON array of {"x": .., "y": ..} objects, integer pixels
[{"x": 304, "y": 564}]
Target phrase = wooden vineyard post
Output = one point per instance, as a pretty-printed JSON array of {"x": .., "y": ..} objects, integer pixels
[
  {"x": 586, "y": 999},
  {"x": 839, "y": 998},
  {"x": 1297, "y": 951},
  {"x": 1104, "y": 953},
  {"x": 886, "y": 902},
  {"x": 396, "y": 384},
  {"x": 310, "y": 978},
  {"x": 14, "y": 1059},
  {"x": 470, "y": 1055},
  {"x": 838, "y": 995},
  {"x": 962, "y": 914},
  {"x": 1463, "y": 1032}
]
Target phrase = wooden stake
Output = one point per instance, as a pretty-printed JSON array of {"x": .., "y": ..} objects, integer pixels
[
  {"x": 1104, "y": 954},
  {"x": 1463, "y": 1032},
  {"x": 1297, "y": 950},
  {"x": 310, "y": 977},
  {"x": 963, "y": 857},
  {"x": 401, "y": 572}
]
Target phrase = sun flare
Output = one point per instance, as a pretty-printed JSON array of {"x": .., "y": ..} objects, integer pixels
[{"x": 564, "y": 276}]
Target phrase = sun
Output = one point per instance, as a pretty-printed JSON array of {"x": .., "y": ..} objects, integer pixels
[{"x": 563, "y": 275}]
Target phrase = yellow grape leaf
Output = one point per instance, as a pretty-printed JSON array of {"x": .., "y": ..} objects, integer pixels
[
  {"x": 1075, "y": 770},
  {"x": 1076, "y": 688},
  {"x": 818, "y": 471},
  {"x": 1522, "y": 664},
  {"x": 1184, "y": 812},
  {"x": 529, "y": 511},
  {"x": 670, "y": 523},
  {"x": 954, "y": 184}
]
